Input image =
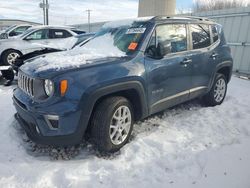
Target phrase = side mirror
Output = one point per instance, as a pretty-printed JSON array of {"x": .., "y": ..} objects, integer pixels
[
  {"x": 13, "y": 33},
  {"x": 161, "y": 50},
  {"x": 27, "y": 38},
  {"x": 151, "y": 51},
  {"x": 155, "y": 52}
]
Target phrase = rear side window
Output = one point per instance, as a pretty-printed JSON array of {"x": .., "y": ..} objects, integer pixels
[
  {"x": 58, "y": 34},
  {"x": 215, "y": 33},
  {"x": 200, "y": 36},
  {"x": 172, "y": 38}
]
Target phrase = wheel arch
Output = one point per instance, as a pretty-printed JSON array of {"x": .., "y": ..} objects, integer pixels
[
  {"x": 3, "y": 52},
  {"x": 226, "y": 71},
  {"x": 222, "y": 68},
  {"x": 132, "y": 90}
]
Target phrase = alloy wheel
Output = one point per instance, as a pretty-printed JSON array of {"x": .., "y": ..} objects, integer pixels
[
  {"x": 12, "y": 57},
  {"x": 220, "y": 90},
  {"x": 120, "y": 125}
]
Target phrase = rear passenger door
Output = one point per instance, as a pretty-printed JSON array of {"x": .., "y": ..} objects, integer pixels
[
  {"x": 204, "y": 58},
  {"x": 168, "y": 77}
]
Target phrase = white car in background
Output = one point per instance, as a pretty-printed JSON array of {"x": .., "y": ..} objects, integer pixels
[
  {"x": 13, "y": 31},
  {"x": 36, "y": 38}
]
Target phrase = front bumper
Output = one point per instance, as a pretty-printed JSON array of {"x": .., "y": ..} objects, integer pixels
[
  {"x": 70, "y": 130},
  {"x": 32, "y": 133}
]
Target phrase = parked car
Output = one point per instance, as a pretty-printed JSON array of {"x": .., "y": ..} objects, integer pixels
[
  {"x": 131, "y": 69},
  {"x": 45, "y": 49},
  {"x": 8, "y": 71},
  {"x": 35, "y": 37},
  {"x": 13, "y": 31}
]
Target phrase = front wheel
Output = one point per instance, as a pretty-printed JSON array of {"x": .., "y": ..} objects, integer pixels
[
  {"x": 9, "y": 57},
  {"x": 218, "y": 91},
  {"x": 112, "y": 124}
]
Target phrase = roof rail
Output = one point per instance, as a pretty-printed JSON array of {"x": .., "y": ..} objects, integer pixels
[
  {"x": 180, "y": 17},
  {"x": 198, "y": 18}
]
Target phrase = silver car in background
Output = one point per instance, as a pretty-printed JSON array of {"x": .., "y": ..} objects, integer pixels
[
  {"x": 13, "y": 31},
  {"x": 36, "y": 38}
]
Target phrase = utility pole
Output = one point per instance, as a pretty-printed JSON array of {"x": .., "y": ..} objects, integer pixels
[
  {"x": 45, "y": 6},
  {"x": 47, "y": 12},
  {"x": 89, "y": 18}
]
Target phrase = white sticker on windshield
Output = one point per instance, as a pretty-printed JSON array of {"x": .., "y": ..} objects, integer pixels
[{"x": 135, "y": 30}]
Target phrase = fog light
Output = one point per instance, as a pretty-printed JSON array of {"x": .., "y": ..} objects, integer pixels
[{"x": 52, "y": 121}]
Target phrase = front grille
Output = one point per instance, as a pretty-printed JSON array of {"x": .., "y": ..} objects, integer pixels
[{"x": 26, "y": 84}]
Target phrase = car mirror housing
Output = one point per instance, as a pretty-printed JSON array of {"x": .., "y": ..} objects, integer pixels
[
  {"x": 12, "y": 34},
  {"x": 155, "y": 52}
]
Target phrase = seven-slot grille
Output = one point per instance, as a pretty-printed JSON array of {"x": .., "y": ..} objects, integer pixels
[{"x": 26, "y": 84}]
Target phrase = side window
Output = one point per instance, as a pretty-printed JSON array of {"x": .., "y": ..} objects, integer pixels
[
  {"x": 18, "y": 30},
  {"x": 171, "y": 38},
  {"x": 200, "y": 36},
  {"x": 59, "y": 34},
  {"x": 215, "y": 33},
  {"x": 38, "y": 35},
  {"x": 21, "y": 29}
]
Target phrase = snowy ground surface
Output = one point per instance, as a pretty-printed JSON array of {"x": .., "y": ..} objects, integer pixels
[{"x": 187, "y": 146}]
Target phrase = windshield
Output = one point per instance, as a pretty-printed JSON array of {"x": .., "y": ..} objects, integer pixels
[
  {"x": 124, "y": 38},
  {"x": 27, "y": 32}
]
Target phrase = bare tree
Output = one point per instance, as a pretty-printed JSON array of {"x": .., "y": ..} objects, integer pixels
[{"x": 206, "y": 5}]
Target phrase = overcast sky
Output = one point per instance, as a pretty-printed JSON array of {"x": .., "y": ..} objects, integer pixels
[{"x": 69, "y": 12}]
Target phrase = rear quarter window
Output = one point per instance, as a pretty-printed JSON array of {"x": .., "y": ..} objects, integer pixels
[
  {"x": 200, "y": 36},
  {"x": 215, "y": 33},
  {"x": 59, "y": 33}
]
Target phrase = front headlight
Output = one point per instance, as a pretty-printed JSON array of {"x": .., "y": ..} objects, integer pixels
[{"x": 48, "y": 87}]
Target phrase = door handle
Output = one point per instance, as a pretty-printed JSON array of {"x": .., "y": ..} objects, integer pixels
[
  {"x": 214, "y": 55},
  {"x": 186, "y": 61}
]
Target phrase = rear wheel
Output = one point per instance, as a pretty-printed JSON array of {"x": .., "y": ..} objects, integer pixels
[
  {"x": 218, "y": 91},
  {"x": 112, "y": 124},
  {"x": 9, "y": 57}
]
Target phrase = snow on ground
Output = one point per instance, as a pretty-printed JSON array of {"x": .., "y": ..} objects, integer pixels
[{"x": 186, "y": 146}]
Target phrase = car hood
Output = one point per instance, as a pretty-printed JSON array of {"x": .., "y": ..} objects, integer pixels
[
  {"x": 86, "y": 55},
  {"x": 10, "y": 40},
  {"x": 52, "y": 64}
]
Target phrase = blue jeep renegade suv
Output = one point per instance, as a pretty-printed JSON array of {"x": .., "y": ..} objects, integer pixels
[{"x": 128, "y": 71}]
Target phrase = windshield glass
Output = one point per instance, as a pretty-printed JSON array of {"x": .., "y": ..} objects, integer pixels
[
  {"x": 124, "y": 38},
  {"x": 27, "y": 32}
]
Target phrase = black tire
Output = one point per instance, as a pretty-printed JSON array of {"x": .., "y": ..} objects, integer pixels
[
  {"x": 101, "y": 121},
  {"x": 6, "y": 54},
  {"x": 209, "y": 98}
]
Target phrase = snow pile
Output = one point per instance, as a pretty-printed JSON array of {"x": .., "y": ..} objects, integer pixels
[
  {"x": 186, "y": 146},
  {"x": 98, "y": 47}
]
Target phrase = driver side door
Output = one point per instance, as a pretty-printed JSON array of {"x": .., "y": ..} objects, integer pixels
[
  {"x": 35, "y": 41},
  {"x": 168, "y": 67}
]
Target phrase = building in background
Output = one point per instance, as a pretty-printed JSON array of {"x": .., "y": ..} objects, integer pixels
[
  {"x": 146, "y": 8},
  {"x": 236, "y": 25},
  {"x": 156, "y": 7},
  {"x": 4, "y": 23}
]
